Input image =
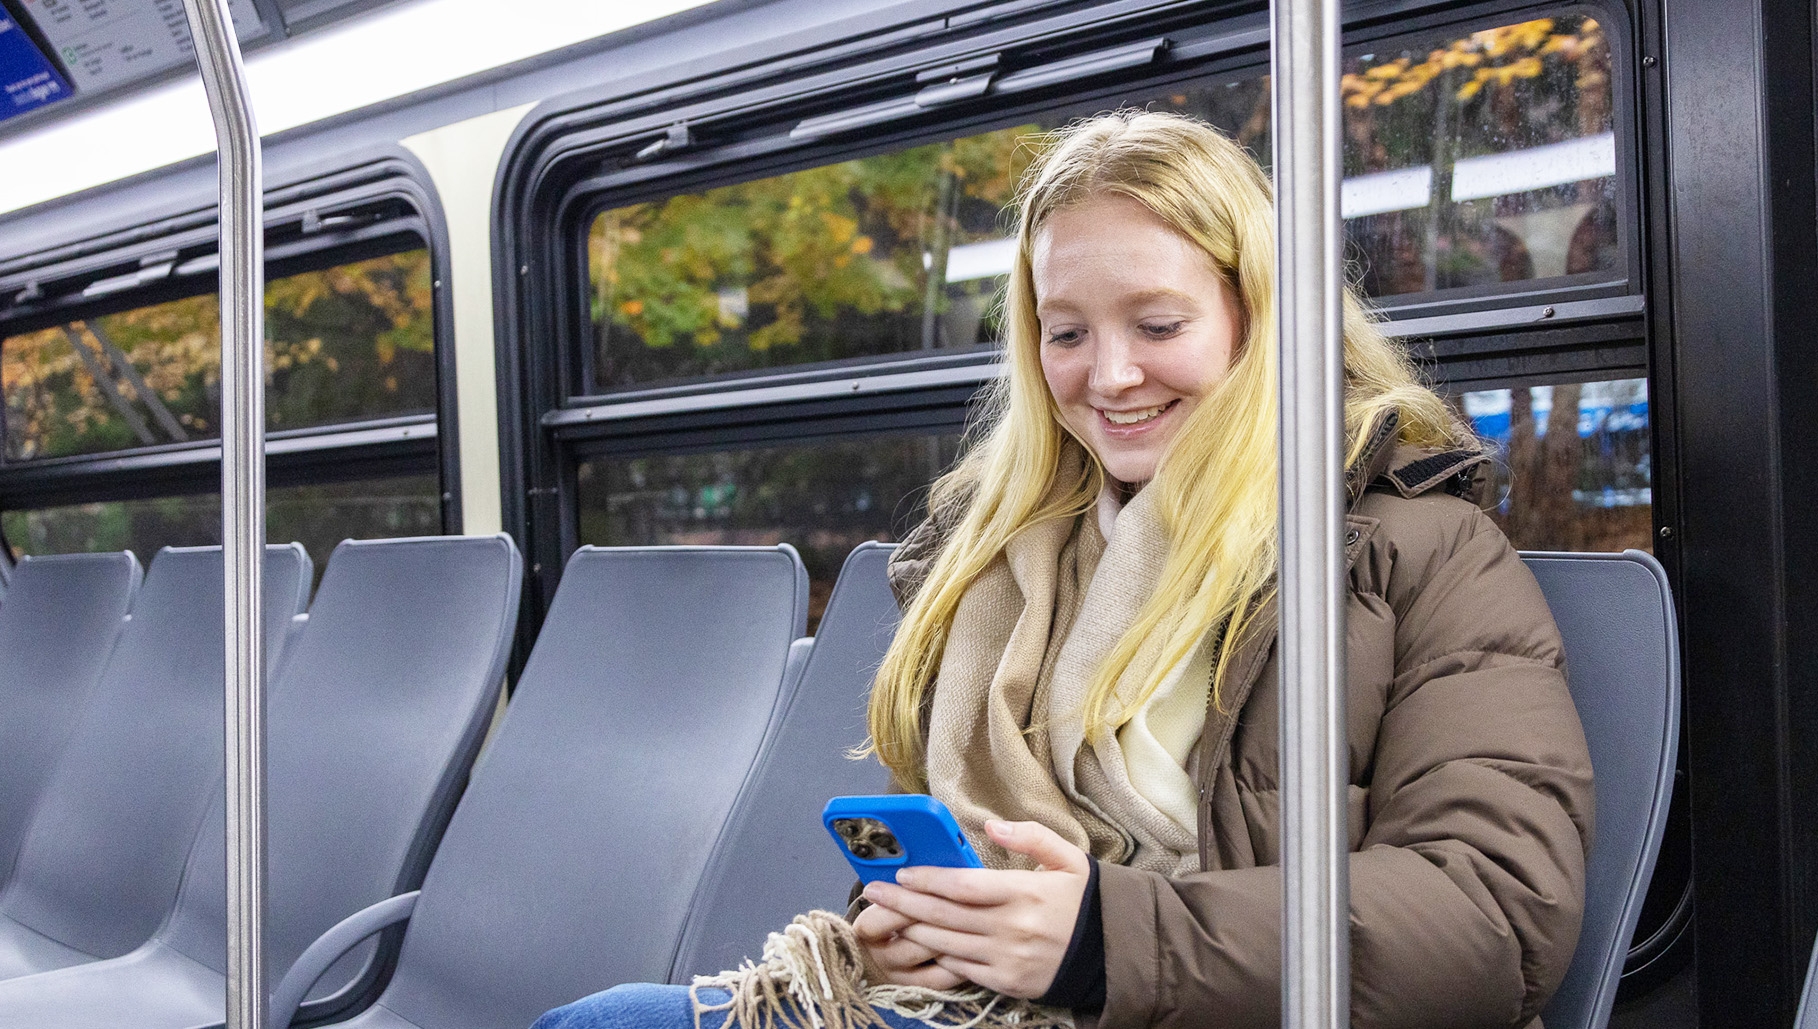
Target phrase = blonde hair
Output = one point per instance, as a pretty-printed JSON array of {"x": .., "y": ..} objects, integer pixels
[{"x": 1216, "y": 483}]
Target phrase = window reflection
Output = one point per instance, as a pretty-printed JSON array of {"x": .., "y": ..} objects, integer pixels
[
  {"x": 1483, "y": 159},
  {"x": 1470, "y": 160},
  {"x": 1575, "y": 468},
  {"x": 822, "y": 498},
  {"x": 884, "y": 255},
  {"x": 319, "y": 516},
  {"x": 342, "y": 343}
]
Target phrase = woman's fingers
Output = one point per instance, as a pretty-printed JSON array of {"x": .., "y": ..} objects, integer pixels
[
  {"x": 942, "y": 941},
  {"x": 1037, "y": 841},
  {"x": 878, "y": 923},
  {"x": 930, "y": 976},
  {"x": 931, "y": 904},
  {"x": 900, "y": 954}
]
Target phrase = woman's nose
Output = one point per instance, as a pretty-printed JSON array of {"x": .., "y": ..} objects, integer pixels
[{"x": 1114, "y": 367}]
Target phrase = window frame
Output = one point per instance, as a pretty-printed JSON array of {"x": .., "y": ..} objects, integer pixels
[
  {"x": 576, "y": 156},
  {"x": 386, "y": 182}
]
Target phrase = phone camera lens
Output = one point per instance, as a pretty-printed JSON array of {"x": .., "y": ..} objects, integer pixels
[
  {"x": 886, "y": 843},
  {"x": 863, "y": 850},
  {"x": 846, "y": 827}
]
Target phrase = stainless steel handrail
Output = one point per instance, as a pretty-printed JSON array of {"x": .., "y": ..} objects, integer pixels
[
  {"x": 1316, "y": 959},
  {"x": 242, "y": 496}
]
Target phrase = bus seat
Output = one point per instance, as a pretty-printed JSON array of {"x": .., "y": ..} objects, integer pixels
[
  {"x": 102, "y": 857},
  {"x": 797, "y": 663},
  {"x": 1807, "y": 1018},
  {"x": 57, "y": 628},
  {"x": 774, "y": 836},
  {"x": 573, "y": 857},
  {"x": 1622, "y": 661},
  {"x": 370, "y": 729}
]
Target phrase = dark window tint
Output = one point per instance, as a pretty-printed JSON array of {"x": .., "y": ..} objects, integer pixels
[
  {"x": 319, "y": 516},
  {"x": 1482, "y": 159},
  {"x": 344, "y": 343},
  {"x": 1575, "y": 468},
  {"x": 1470, "y": 160},
  {"x": 885, "y": 255},
  {"x": 822, "y": 498}
]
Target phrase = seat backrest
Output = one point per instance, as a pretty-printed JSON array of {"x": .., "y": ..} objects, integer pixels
[
  {"x": 1807, "y": 1018},
  {"x": 371, "y": 728},
  {"x": 1622, "y": 661},
  {"x": 57, "y": 629},
  {"x": 774, "y": 860},
  {"x": 102, "y": 857},
  {"x": 572, "y": 859}
]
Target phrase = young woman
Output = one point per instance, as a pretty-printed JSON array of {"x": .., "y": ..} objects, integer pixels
[{"x": 1086, "y": 672}]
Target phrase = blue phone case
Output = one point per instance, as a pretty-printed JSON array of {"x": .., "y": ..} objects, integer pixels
[{"x": 922, "y": 827}]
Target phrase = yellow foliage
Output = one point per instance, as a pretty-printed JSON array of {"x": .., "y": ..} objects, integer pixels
[{"x": 1496, "y": 57}]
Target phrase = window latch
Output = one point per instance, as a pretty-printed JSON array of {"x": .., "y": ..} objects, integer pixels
[
  {"x": 678, "y": 137},
  {"x": 953, "y": 83}
]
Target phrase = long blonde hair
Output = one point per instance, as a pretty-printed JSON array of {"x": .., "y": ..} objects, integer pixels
[{"x": 1216, "y": 483}]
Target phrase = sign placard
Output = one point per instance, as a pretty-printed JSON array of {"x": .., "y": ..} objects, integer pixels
[
  {"x": 28, "y": 80},
  {"x": 107, "y": 43}
]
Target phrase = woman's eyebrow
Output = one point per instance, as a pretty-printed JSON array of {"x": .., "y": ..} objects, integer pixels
[{"x": 1160, "y": 293}]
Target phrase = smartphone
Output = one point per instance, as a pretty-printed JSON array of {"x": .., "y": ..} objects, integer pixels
[{"x": 880, "y": 834}]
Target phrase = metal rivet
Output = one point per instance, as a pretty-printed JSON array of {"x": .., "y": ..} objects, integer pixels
[
  {"x": 1666, "y": 532},
  {"x": 436, "y": 284},
  {"x": 536, "y": 568},
  {"x": 524, "y": 270},
  {"x": 1648, "y": 62},
  {"x": 1548, "y": 312},
  {"x": 1351, "y": 537}
]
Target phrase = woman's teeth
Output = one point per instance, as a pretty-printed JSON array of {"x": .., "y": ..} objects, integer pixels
[{"x": 1132, "y": 417}]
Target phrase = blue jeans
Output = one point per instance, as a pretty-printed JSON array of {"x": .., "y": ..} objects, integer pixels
[{"x": 653, "y": 1006}]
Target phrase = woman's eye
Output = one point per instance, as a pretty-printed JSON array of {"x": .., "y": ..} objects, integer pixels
[
  {"x": 1161, "y": 330},
  {"x": 1065, "y": 337}
]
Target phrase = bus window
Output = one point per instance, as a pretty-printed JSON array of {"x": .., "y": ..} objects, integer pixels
[
  {"x": 1574, "y": 467},
  {"x": 823, "y": 497},
  {"x": 1472, "y": 160},
  {"x": 319, "y": 516},
  {"x": 349, "y": 342}
]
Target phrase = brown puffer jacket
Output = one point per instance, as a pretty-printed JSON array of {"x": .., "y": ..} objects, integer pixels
[{"x": 1470, "y": 796}]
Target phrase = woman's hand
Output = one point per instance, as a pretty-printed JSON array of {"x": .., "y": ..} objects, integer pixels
[
  {"x": 894, "y": 957},
  {"x": 1006, "y": 930}
]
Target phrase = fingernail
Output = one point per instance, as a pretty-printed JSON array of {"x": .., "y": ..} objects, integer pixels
[
  {"x": 997, "y": 825},
  {"x": 906, "y": 877}
]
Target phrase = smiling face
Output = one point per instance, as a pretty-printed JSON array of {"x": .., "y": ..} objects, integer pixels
[{"x": 1137, "y": 327}]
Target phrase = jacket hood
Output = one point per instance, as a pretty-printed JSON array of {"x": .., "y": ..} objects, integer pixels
[{"x": 1387, "y": 463}]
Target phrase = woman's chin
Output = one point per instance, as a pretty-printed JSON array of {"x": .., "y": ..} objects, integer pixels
[{"x": 1129, "y": 470}]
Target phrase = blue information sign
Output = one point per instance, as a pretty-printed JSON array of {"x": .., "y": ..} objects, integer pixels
[{"x": 27, "y": 79}]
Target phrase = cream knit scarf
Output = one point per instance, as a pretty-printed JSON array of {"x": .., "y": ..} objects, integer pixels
[{"x": 1006, "y": 739}]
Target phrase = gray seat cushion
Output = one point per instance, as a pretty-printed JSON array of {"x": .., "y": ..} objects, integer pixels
[
  {"x": 774, "y": 837},
  {"x": 1622, "y": 662},
  {"x": 572, "y": 860},
  {"x": 371, "y": 727},
  {"x": 58, "y": 624},
  {"x": 104, "y": 853}
]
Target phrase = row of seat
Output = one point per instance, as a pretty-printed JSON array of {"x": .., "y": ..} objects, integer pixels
[
  {"x": 378, "y": 699},
  {"x": 647, "y": 809}
]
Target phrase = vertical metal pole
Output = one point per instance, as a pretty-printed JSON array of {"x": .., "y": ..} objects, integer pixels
[
  {"x": 242, "y": 497},
  {"x": 1316, "y": 952}
]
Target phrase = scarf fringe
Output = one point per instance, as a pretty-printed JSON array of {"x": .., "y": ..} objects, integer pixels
[{"x": 813, "y": 977}]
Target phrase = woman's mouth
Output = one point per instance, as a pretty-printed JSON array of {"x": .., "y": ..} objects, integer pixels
[{"x": 1126, "y": 419}]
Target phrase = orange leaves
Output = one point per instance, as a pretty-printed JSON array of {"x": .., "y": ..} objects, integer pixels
[{"x": 1497, "y": 57}]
